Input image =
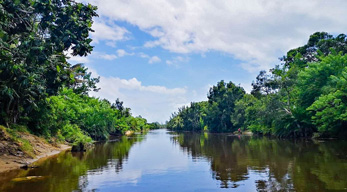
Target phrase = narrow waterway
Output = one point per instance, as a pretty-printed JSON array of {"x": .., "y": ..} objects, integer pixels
[{"x": 167, "y": 161}]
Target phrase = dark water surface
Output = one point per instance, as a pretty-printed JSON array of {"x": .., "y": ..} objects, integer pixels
[{"x": 166, "y": 161}]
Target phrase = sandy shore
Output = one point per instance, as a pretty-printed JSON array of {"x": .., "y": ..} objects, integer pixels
[
  {"x": 12, "y": 157},
  {"x": 10, "y": 162}
]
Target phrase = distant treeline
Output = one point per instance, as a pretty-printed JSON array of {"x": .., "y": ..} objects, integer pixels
[
  {"x": 40, "y": 90},
  {"x": 305, "y": 95}
]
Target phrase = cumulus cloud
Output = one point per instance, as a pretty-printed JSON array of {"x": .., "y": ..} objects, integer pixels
[
  {"x": 89, "y": 58},
  {"x": 154, "y": 59},
  {"x": 122, "y": 53},
  {"x": 143, "y": 55},
  {"x": 254, "y": 31},
  {"x": 78, "y": 59},
  {"x": 108, "y": 32},
  {"x": 104, "y": 56},
  {"x": 156, "y": 103},
  {"x": 151, "y": 60},
  {"x": 99, "y": 55}
]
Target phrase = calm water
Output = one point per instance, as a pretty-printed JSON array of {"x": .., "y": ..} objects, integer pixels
[{"x": 165, "y": 161}]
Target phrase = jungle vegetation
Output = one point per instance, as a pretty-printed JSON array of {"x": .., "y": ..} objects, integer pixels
[
  {"x": 305, "y": 95},
  {"x": 39, "y": 88}
]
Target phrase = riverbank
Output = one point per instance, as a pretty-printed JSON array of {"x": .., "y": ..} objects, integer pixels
[
  {"x": 195, "y": 161},
  {"x": 16, "y": 153}
]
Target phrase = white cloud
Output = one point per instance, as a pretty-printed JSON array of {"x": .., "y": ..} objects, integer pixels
[
  {"x": 108, "y": 57},
  {"x": 143, "y": 55},
  {"x": 156, "y": 103},
  {"x": 151, "y": 60},
  {"x": 122, "y": 53},
  {"x": 89, "y": 58},
  {"x": 176, "y": 61},
  {"x": 254, "y": 31},
  {"x": 108, "y": 32},
  {"x": 103, "y": 56},
  {"x": 78, "y": 59},
  {"x": 169, "y": 62},
  {"x": 154, "y": 59}
]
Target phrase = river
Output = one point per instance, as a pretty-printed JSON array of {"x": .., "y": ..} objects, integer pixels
[{"x": 165, "y": 161}]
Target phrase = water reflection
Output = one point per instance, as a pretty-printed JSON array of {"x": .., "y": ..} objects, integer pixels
[
  {"x": 62, "y": 173},
  {"x": 147, "y": 160},
  {"x": 168, "y": 161},
  {"x": 277, "y": 165}
]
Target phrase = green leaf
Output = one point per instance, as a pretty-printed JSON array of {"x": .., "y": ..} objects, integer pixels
[{"x": 58, "y": 68}]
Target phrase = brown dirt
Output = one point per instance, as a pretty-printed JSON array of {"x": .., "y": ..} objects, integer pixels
[
  {"x": 249, "y": 133},
  {"x": 13, "y": 157}
]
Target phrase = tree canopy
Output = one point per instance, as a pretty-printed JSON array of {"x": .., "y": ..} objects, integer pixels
[
  {"x": 39, "y": 88},
  {"x": 304, "y": 95}
]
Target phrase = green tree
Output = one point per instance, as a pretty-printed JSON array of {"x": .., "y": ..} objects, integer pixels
[
  {"x": 33, "y": 38},
  {"x": 222, "y": 99},
  {"x": 245, "y": 112},
  {"x": 322, "y": 94}
]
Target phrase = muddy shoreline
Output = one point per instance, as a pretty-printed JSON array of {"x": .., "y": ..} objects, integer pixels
[
  {"x": 25, "y": 149},
  {"x": 12, "y": 162}
]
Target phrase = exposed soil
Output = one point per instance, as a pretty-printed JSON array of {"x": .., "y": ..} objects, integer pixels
[{"x": 13, "y": 157}]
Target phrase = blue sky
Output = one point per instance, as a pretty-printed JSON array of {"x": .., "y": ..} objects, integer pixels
[{"x": 159, "y": 55}]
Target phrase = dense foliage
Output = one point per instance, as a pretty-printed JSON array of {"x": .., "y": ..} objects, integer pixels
[
  {"x": 214, "y": 114},
  {"x": 304, "y": 95},
  {"x": 69, "y": 113},
  {"x": 39, "y": 88},
  {"x": 33, "y": 38}
]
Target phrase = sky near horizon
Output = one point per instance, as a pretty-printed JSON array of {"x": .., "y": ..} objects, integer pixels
[{"x": 158, "y": 55}]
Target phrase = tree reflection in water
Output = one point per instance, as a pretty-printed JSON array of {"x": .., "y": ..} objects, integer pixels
[
  {"x": 157, "y": 164},
  {"x": 281, "y": 165},
  {"x": 68, "y": 171}
]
